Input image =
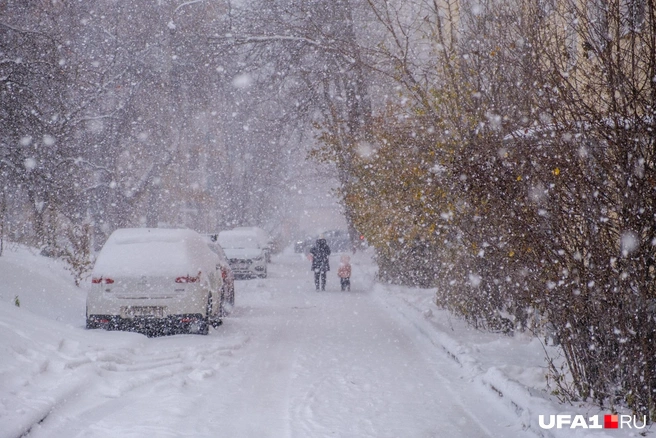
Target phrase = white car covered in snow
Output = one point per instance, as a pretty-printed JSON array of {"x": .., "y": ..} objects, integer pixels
[
  {"x": 245, "y": 253},
  {"x": 263, "y": 239},
  {"x": 155, "y": 281}
]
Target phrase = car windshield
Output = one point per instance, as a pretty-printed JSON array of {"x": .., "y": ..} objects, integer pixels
[{"x": 238, "y": 241}]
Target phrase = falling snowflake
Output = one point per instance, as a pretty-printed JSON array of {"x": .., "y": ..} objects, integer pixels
[
  {"x": 629, "y": 242},
  {"x": 242, "y": 81},
  {"x": 29, "y": 163}
]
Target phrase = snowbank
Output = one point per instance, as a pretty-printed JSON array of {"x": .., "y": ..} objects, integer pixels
[
  {"x": 41, "y": 365},
  {"x": 514, "y": 368},
  {"x": 43, "y": 285},
  {"x": 41, "y": 344}
]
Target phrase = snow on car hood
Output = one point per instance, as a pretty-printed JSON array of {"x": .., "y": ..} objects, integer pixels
[{"x": 243, "y": 253}]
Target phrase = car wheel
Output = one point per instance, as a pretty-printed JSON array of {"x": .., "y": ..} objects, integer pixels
[
  {"x": 92, "y": 323},
  {"x": 89, "y": 322},
  {"x": 210, "y": 304},
  {"x": 202, "y": 327},
  {"x": 211, "y": 320},
  {"x": 222, "y": 311}
]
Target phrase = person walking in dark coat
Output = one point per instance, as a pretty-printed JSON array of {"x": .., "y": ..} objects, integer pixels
[{"x": 320, "y": 264}]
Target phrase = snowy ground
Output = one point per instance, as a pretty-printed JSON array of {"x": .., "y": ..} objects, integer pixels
[{"x": 378, "y": 361}]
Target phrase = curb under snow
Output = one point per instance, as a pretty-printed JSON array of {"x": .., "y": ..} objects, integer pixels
[{"x": 524, "y": 402}]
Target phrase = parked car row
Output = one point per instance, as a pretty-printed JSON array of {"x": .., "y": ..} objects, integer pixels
[{"x": 168, "y": 281}]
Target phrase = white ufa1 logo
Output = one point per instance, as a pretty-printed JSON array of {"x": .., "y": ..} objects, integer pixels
[{"x": 575, "y": 421}]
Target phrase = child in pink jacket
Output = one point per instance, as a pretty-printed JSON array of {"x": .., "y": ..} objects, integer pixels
[{"x": 344, "y": 272}]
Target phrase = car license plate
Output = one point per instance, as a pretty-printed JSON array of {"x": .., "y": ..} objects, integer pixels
[{"x": 143, "y": 311}]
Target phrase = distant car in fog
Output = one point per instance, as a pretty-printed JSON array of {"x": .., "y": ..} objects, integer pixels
[
  {"x": 337, "y": 240},
  {"x": 155, "y": 281},
  {"x": 246, "y": 256},
  {"x": 304, "y": 245}
]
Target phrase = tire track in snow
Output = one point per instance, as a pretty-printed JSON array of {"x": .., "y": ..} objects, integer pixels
[{"x": 107, "y": 380}]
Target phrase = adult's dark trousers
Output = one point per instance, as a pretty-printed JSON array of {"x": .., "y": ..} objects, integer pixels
[{"x": 320, "y": 279}]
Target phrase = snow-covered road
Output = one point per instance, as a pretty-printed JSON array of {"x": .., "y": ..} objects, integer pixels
[{"x": 289, "y": 362}]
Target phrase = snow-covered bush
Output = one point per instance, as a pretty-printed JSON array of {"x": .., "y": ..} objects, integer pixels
[{"x": 77, "y": 253}]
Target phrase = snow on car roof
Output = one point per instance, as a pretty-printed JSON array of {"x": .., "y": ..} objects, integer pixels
[
  {"x": 133, "y": 252},
  {"x": 262, "y": 236},
  {"x": 237, "y": 239}
]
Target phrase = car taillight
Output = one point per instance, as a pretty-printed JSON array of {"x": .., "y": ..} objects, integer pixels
[
  {"x": 188, "y": 279},
  {"x": 100, "y": 280}
]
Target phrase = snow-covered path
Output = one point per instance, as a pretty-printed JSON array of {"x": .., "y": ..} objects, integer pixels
[
  {"x": 289, "y": 362},
  {"x": 334, "y": 364}
]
